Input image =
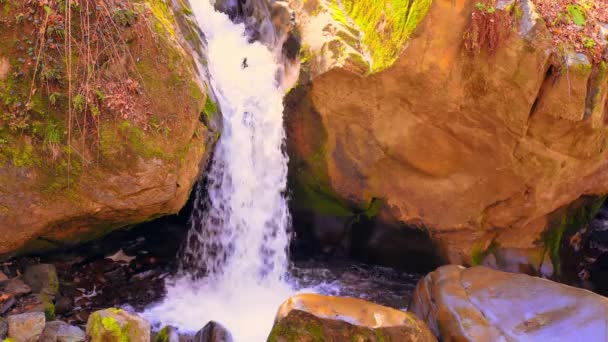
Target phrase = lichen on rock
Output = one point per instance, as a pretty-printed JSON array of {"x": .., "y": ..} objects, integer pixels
[{"x": 117, "y": 325}]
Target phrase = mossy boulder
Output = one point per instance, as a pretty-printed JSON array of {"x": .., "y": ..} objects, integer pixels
[
  {"x": 116, "y": 325},
  {"x": 42, "y": 278},
  {"x": 97, "y": 138},
  {"x": 312, "y": 318},
  {"x": 476, "y": 148}
]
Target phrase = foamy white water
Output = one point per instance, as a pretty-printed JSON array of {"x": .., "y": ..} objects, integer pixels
[{"x": 240, "y": 240}]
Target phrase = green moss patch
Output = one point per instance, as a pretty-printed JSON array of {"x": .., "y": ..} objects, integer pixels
[
  {"x": 386, "y": 25},
  {"x": 575, "y": 218},
  {"x": 478, "y": 253}
]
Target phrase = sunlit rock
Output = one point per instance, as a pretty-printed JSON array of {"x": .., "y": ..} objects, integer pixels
[
  {"x": 311, "y": 317},
  {"x": 478, "y": 150},
  {"x": 26, "y": 327},
  {"x": 482, "y": 304}
]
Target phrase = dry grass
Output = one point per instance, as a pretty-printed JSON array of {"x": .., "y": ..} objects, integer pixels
[
  {"x": 488, "y": 28},
  {"x": 79, "y": 65}
]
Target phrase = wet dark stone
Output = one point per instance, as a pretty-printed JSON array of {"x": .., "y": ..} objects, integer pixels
[
  {"x": 7, "y": 301},
  {"x": 116, "y": 275},
  {"x": 3, "y": 329},
  {"x": 584, "y": 255},
  {"x": 63, "y": 305},
  {"x": 599, "y": 274},
  {"x": 378, "y": 241},
  {"x": 213, "y": 332},
  {"x": 16, "y": 287},
  {"x": 291, "y": 47}
]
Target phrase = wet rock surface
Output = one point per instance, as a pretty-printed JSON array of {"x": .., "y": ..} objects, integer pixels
[
  {"x": 213, "y": 332},
  {"x": 481, "y": 304}
]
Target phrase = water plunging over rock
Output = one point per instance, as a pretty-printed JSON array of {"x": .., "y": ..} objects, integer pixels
[{"x": 238, "y": 240}]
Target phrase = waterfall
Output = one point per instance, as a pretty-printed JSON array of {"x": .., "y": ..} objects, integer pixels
[
  {"x": 238, "y": 236},
  {"x": 242, "y": 230}
]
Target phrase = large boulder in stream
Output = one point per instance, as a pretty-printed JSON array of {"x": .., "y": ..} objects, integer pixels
[
  {"x": 481, "y": 304},
  {"x": 311, "y": 317},
  {"x": 406, "y": 121},
  {"x": 109, "y": 136}
]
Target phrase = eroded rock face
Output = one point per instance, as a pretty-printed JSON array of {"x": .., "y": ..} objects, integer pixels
[
  {"x": 311, "y": 317},
  {"x": 481, "y": 304},
  {"x": 479, "y": 150},
  {"x": 124, "y": 146}
]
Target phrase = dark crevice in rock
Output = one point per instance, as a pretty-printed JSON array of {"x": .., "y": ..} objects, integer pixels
[
  {"x": 592, "y": 91},
  {"x": 605, "y": 115},
  {"x": 366, "y": 236},
  {"x": 585, "y": 254},
  {"x": 551, "y": 75}
]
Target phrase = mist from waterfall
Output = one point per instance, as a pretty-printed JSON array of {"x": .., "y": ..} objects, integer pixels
[{"x": 238, "y": 236}]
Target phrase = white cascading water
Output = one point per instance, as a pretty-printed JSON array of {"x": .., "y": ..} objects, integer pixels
[{"x": 240, "y": 240}]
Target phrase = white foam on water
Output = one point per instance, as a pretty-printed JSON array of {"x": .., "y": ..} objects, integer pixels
[{"x": 240, "y": 239}]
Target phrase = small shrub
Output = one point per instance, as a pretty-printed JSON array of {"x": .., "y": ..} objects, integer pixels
[
  {"x": 124, "y": 17},
  {"x": 50, "y": 75},
  {"x": 53, "y": 98},
  {"x": 52, "y": 140},
  {"x": 589, "y": 43},
  {"x": 79, "y": 102}
]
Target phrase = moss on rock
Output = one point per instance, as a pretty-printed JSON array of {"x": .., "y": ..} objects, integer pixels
[
  {"x": 577, "y": 216},
  {"x": 117, "y": 325},
  {"x": 386, "y": 25},
  {"x": 96, "y": 142}
]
